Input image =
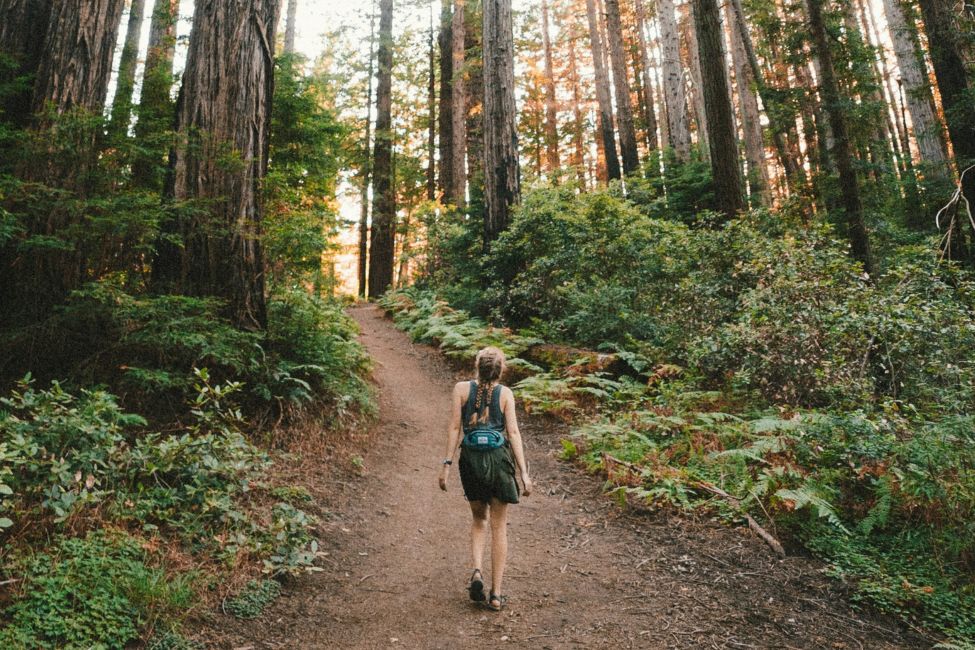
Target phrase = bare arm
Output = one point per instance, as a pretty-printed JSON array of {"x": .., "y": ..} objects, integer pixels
[
  {"x": 514, "y": 437},
  {"x": 453, "y": 430}
]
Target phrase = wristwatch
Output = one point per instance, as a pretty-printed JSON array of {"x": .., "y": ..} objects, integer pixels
[{"x": 447, "y": 461}]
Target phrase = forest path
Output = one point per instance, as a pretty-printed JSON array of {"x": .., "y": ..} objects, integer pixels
[{"x": 582, "y": 573}]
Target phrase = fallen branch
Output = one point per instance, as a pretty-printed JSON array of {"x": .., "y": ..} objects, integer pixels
[{"x": 756, "y": 528}]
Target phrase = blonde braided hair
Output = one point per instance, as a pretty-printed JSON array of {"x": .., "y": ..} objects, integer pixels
[{"x": 489, "y": 365}]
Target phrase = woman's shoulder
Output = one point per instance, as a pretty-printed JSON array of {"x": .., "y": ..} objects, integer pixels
[{"x": 462, "y": 386}]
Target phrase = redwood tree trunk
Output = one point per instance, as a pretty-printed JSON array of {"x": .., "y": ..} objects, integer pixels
[
  {"x": 366, "y": 167},
  {"x": 446, "y": 181},
  {"x": 473, "y": 104},
  {"x": 579, "y": 157},
  {"x": 842, "y": 156},
  {"x": 383, "y": 189},
  {"x": 722, "y": 135},
  {"x": 77, "y": 61},
  {"x": 675, "y": 95},
  {"x": 225, "y": 103},
  {"x": 122, "y": 104},
  {"x": 458, "y": 116},
  {"x": 551, "y": 112},
  {"x": 431, "y": 115},
  {"x": 502, "y": 176},
  {"x": 606, "y": 129},
  {"x": 646, "y": 69},
  {"x": 289, "y": 28},
  {"x": 621, "y": 84}
]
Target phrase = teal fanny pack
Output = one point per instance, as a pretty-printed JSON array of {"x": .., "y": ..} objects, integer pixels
[{"x": 483, "y": 439}]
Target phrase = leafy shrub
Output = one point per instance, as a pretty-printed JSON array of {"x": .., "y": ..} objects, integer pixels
[
  {"x": 252, "y": 601},
  {"x": 95, "y": 591}
]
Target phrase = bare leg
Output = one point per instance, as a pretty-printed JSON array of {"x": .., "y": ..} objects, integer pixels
[
  {"x": 499, "y": 543},
  {"x": 479, "y": 509}
]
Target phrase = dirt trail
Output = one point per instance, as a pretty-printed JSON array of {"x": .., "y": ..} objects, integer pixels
[{"x": 582, "y": 573}]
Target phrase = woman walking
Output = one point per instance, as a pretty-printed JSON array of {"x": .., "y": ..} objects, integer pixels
[{"x": 490, "y": 449}]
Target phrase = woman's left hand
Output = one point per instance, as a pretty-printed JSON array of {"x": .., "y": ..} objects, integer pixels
[
  {"x": 528, "y": 485},
  {"x": 443, "y": 477}
]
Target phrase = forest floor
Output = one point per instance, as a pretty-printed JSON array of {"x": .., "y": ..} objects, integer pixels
[{"x": 582, "y": 572}]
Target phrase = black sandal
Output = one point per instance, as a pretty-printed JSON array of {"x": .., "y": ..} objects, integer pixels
[
  {"x": 476, "y": 588},
  {"x": 495, "y": 598}
]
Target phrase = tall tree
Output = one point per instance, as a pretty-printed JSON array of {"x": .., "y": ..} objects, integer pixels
[
  {"x": 77, "y": 62},
  {"x": 578, "y": 123},
  {"x": 290, "y": 27},
  {"x": 366, "y": 165},
  {"x": 502, "y": 176},
  {"x": 156, "y": 111},
  {"x": 647, "y": 71},
  {"x": 944, "y": 42},
  {"x": 697, "y": 82},
  {"x": 384, "y": 189},
  {"x": 551, "y": 111},
  {"x": 458, "y": 116},
  {"x": 125, "y": 83},
  {"x": 446, "y": 122},
  {"x": 224, "y": 106},
  {"x": 675, "y": 95},
  {"x": 621, "y": 84},
  {"x": 473, "y": 103},
  {"x": 722, "y": 135},
  {"x": 431, "y": 114},
  {"x": 841, "y": 154},
  {"x": 603, "y": 100},
  {"x": 751, "y": 122}
]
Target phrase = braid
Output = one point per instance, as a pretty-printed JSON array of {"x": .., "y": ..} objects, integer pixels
[{"x": 490, "y": 365}]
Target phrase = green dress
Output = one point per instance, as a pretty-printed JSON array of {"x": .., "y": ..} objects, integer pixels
[{"x": 487, "y": 473}]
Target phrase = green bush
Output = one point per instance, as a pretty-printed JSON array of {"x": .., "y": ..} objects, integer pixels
[{"x": 91, "y": 592}]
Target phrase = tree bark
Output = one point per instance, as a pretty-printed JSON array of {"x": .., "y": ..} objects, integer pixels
[
  {"x": 502, "y": 182},
  {"x": 446, "y": 122},
  {"x": 551, "y": 111},
  {"x": 917, "y": 91},
  {"x": 431, "y": 115},
  {"x": 290, "y": 26},
  {"x": 384, "y": 191},
  {"x": 606, "y": 128},
  {"x": 621, "y": 83},
  {"x": 751, "y": 122},
  {"x": 121, "y": 115},
  {"x": 579, "y": 149},
  {"x": 646, "y": 70},
  {"x": 723, "y": 136},
  {"x": 675, "y": 95},
  {"x": 224, "y": 107},
  {"x": 841, "y": 154},
  {"x": 697, "y": 83},
  {"x": 366, "y": 166},
  {"x": 473, "y": 105},
  {"x": 77, "y": 62},
  {"x": 22, "y": 34},
  {"x": 458, "y": 114},
  {"x": 156, "y": 111},
  {"x": 946, "y": 50}
]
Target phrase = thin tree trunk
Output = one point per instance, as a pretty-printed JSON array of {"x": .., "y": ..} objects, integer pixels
[
  {"x": 156, "y": 111},
  {"x": 121, "y": 114},
  {"x": 697, "y": 89},
  {"x": 458, "y": 116},
  {"x": 621, "y": 84},
  {"x": 502, "y": 182},
  {"x": 446, "y": 122},
  {"x": 579, "y": 155},
  {"x": 723, "y": 136},
  {"x": 225, "y": 102},
  {"x": 473, "y": 98},
  {"x": 602, "y": 96},
  {"x": 647, "y": 71},
  {"x": 751, "y": 122},
  {"x": 551, "y": 113},
  {"x": 917, "y": 91},
  {"x": 366, "y": 167},
  {"x": 675, "y": 95},
  {"x": 289, "y": 28},
  {"x": 431, "y": 116},
  {"x": 384, "y": 192},
  {"x": 842, "y": 156}
]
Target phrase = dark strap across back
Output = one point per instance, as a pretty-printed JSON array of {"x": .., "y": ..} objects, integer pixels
[{"x": 495, "y": 419}]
